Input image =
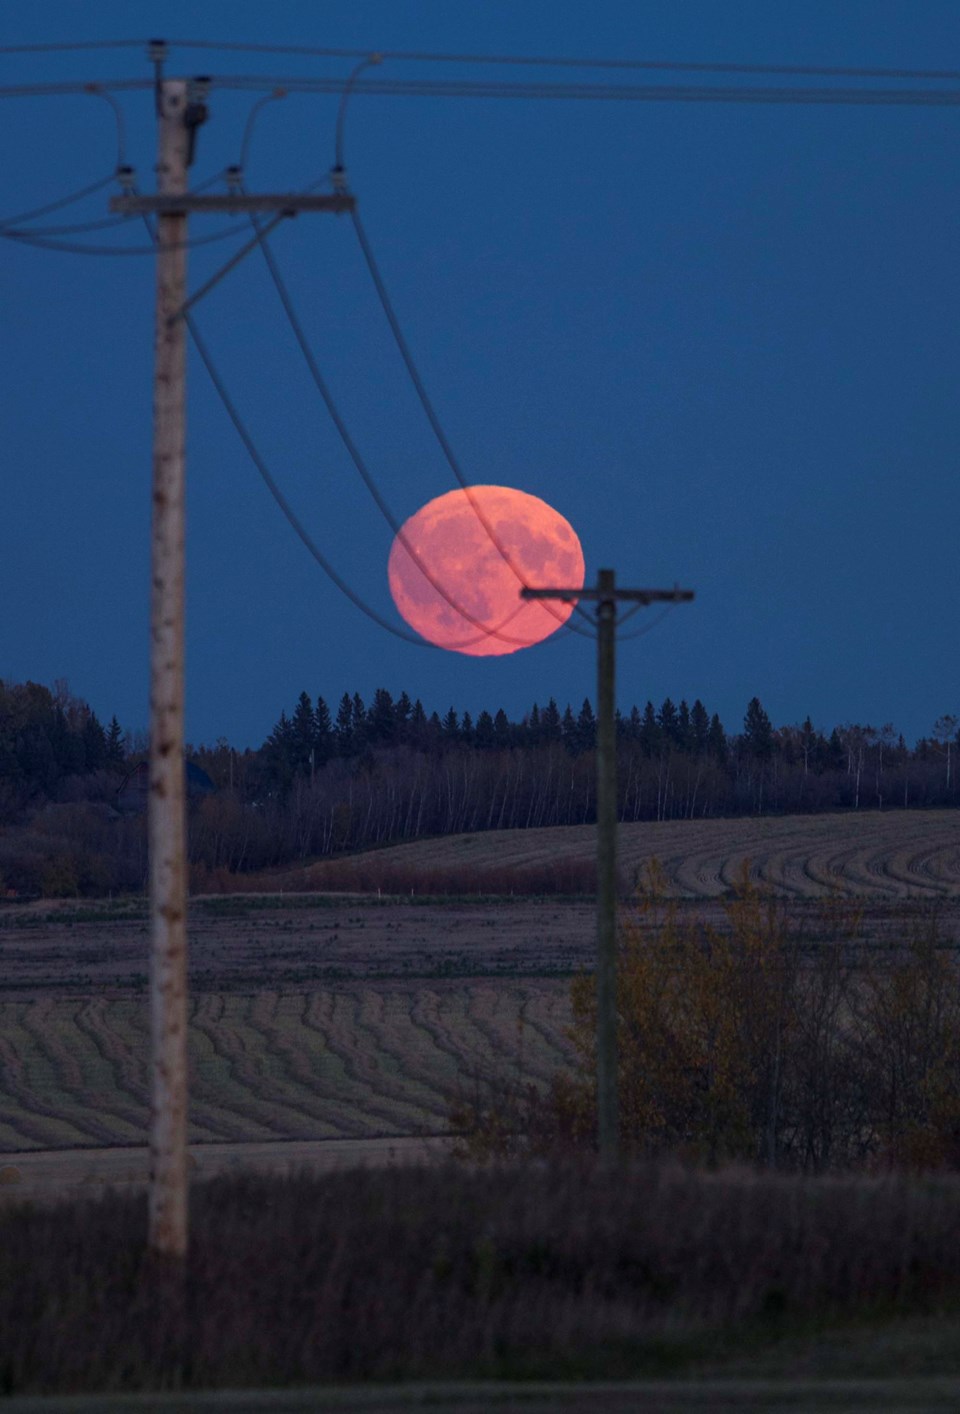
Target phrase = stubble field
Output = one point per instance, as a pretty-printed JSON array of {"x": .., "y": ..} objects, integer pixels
[{"x": 333, "y": 1019}]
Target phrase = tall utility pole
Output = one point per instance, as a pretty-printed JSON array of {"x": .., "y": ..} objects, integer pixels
[
  {"x": 167, "y": 811},
  {"x": 179, "y": 115},
  {"x": 607, "y": 595}
]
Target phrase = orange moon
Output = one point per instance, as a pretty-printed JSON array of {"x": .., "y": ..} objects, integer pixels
[{"x": 473, "y": 603}]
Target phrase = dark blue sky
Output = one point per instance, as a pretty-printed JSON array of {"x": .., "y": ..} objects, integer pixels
[{"x": 721, "y": 340}]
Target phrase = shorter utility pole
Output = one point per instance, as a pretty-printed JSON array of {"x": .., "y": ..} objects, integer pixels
[{"x": 607, "y": 596}]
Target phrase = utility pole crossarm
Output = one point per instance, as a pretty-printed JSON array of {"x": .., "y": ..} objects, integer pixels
[
  {"x": 289, "y": 203},
  {"x": 634, "y": 596}
]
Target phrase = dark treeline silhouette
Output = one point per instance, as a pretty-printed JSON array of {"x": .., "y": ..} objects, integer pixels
[{"x": 363, "y": 774}]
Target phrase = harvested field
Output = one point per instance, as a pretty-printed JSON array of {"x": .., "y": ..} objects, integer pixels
[
  {"x": 355, "y": 1062},
  {"x": 331, "y": 1017},
  {"x": 249, "y": 942},
  {"x": 891, "y": 855}
]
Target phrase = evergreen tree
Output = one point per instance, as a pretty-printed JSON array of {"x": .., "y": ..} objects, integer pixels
[
  {"x": 484, "y": 733},
  {"x": 466, "y": 729},
  {"x": 717, "y": 740},
  {"x": 94, "y": 744},
  {"x": 501, "y": 729},
  {"x": 757, "y": 731},
  {"x": 568, "y": 730},
  {"x": 532, "y": 725},
  {"x": 684, "y": 728},
  {"x": 382, "y": 718},
  {"x": 450, "y": 726},
  {"x": 403, "y": 709},
  {"x": 343, "y": 730},
  {"x": 358, "y": 722},
  {"x": 651, "y": 737},
  {"x": 667, "y": 722},
  {"x": 323, "y": 732},
  {"x": 586, "y": 727},
  {"x": 699, "y": 728},
  {"x": 550, "y": 728},
  {"x": 303, "y": 732},
  {"x": 418, "y": 729},
  {"x": 115, "y": 754},
  {"x": 279, "y": 751}
]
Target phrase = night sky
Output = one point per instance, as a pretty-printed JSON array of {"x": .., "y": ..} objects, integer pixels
[{"x": 720, "y": 339}]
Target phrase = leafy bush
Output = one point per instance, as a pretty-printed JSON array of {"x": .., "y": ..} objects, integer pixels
[{"x": 752, "y": 1042}]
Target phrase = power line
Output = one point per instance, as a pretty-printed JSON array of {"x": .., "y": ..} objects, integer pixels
[
  {"x": 539, "y": 61},
  {"x": 89, "y": 190},
  {"x": 486, "y": 631},
  {"x": 273, "y": 487},
  {"x": 72, "y": 46},
  {"x": 70, "y": 248},
  {"x": 72, "y": 87},
  {"x": 603, "y": 92},
  {"x": 23, "y": 217},
  {"x": 529, "y": 90},
  {"x": 431, "y": 413}
]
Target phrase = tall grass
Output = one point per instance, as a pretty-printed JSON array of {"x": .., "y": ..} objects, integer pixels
[{"x": 443, "y": 1271}]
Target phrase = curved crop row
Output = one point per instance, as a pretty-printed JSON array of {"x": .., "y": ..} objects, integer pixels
[{"x": 360, "y": 1061}]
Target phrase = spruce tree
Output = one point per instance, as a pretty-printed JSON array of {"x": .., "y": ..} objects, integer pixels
[
  {"x": 757, "y": 731},
  {"x": 586, "y": 727},
  {"x": 343, "y": 730},
  {"x": 717, "y": 740},
  {"x": 684, "y": 729},
  {"x": 667, "y": 722},
  {"x": 699, "y": 728},
  {"x": 501, "y": 729},
  {"x": 568, "y": 730},
  {"x": 303, "y": 731},
  {"x": 323, "y": 732},
  {"x": 550, "y": 722},
  {"x": 382, "y": 718},
  {"x": 650, "y": 733},
  {"x": 115, "y": 754},
  {"x": 484, "y": 730}
]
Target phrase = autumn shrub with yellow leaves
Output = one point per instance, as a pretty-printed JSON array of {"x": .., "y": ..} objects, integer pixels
[{"x": 753, "y": 1040}]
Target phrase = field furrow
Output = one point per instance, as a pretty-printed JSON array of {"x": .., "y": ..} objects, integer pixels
[{"x": 360, "y": 1061}]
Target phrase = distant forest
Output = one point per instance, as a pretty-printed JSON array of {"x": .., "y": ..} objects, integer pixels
[{"x": 326, "y": 781}]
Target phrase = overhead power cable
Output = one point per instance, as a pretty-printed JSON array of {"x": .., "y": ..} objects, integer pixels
[
  {"x": 70, "y": 87},
  {"x": 72, "y": 46},
  {"x": 57, "y": 205},
  {"x": 70, "y": 248},
  {"x": 600, "y": 92},
  {"x": 105, "y": 222},
  {"x": 485, "y": 630},
  {"x": 273, "y": 487},
  {"x": 435, "y": 423},
  {"x": 531, "y": 90},
  {"x": 339, "y": 173},
  {"x": 538, "y": 61}
]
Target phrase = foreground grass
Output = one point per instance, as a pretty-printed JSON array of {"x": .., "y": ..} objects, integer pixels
[{"x": 441, "y": 1273}]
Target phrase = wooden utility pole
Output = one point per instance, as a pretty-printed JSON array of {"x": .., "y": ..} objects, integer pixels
[
  {"x": 607, "y": 595},
  {"x": 179, "y": 115},
  {"x": 167, "y": 811}
]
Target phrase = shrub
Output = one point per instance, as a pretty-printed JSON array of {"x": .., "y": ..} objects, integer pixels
[{"x": 753, "y": 1042}]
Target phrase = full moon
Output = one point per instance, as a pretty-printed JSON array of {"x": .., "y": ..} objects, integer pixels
[{"x": 457, "y": 566}]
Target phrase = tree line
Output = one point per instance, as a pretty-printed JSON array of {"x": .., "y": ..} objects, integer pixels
[{"x": 327, "y": 781}]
